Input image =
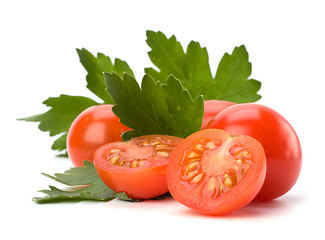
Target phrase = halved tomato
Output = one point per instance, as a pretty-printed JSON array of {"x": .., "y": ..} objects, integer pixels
[
  {"x": 136, "y": 167},
  {"x": 216, "y": 173}
]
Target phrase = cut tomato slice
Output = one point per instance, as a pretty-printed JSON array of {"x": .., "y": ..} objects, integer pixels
[
  {"x": 216, "y": 173},
  {"x": 136, "y": 167}
]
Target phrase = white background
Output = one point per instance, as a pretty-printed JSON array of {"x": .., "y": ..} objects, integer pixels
[{"x": 285, "y": 41}]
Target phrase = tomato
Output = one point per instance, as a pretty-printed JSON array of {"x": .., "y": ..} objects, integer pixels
[
  {"x": 93, "y": 127},
  {"x": 212, "y": 108},
  {"x": 277, "y": 136},
  {"x": 136, "y": 167},
  {"x": 215, "y": 173}
]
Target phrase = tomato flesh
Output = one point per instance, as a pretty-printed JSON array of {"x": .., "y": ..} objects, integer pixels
[
  {"x": 92, "y": 128},
  {"x": 136, "y": 167},
  {"x": 215, "y": 173},
  {"x": 278, "y": 138}
]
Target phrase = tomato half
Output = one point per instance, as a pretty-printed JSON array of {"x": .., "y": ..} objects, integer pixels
[
  {"x": 92, "y": 128},
  {"x": 277, "y": 136},
  {"x": 136, "y": 167},
  {"x": 213, "y": 108},
  {"x": 215, "y": 173}
]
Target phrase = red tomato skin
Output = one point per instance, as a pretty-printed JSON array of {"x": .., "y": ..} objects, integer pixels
[
  {"x": 278, "y": 138},
  {"x": 92, "y": 128},
  {"x": 143, "y": 184},
  {"x": 238, "y": 197},
  {"x": 213, "y": 108}
]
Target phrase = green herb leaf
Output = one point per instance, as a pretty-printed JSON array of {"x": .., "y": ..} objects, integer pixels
[
  {"x": 95, "y": 66},
  {"x": 232, "y": 81},
  {"x": 64, "y": 109},
  {"x": 192, "y": 68},
  {"x": 155, "y": 108},
  {"x": 88, "y": 186}
]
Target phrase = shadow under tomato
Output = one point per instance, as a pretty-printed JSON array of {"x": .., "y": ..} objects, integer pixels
[{"x": 275, "y": 207}]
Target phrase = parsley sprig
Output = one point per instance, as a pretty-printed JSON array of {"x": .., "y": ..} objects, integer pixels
[{"x": 191, "y": 68}]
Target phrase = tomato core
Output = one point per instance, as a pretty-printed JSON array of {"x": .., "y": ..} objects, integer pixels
[{"x": 216, "y": 166}]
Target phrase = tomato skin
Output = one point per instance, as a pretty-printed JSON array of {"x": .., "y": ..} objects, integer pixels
[
  {"x": 92, "y": 128},
  {"x": 277, "y": 136},
  {"x": 140, "y": 182},
  {"x": 139, "y": 185},
  {"x": 195, "y": 196},
  {"x": 213, "y": 108}
]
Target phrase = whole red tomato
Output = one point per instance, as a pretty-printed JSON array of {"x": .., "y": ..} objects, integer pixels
[
  {"x": 94, "y": 127},
  {"x": 278, "y": 138},
  {"x": 213, "y": 108}
]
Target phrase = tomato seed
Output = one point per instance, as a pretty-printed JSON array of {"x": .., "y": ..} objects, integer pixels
[
  {"x": 192, "y": 155},
  {"x": 191, "y": 174},
  {"x": 162, "y": 146},
  {"x": 198, "y": 147},
  {"x": 115, "y": 151},
  {"x": 197, "y": 178},
  {"x": 155, "y": 143},
  {"x": 211, "y": 145},
  {"x": 228, "y": 181},
  {"x": 211, "y": 184},
  {"x": 192, "y": 166},
  {"x": 134, "y": 164},
  {"x": 114, "y": 159},
  {"x": 244, "y": 154},
  {"x": 162, "y": 154},
  {"x": 121, "y": 162}
]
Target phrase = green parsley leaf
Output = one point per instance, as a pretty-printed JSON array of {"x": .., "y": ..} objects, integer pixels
[
  {"x": 192, "y": 68},
  {"x": 155, "y": 108},
  {"x": 89, "y": 187},
  {"x": 95, "y": 66},
  {"x": 58, "y": 119},
  {"x": 232, "y": 81},
  {"x": 65, "y": 108}
]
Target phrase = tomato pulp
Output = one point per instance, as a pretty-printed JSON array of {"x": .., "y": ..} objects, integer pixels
[
  {"x": 215, "y": 173},
  {"x": 277, "y": 136},
  {"x": 92, "y": 128},
  {"x": 213, "y": 108},
  {"x": 136, "y": 167}
]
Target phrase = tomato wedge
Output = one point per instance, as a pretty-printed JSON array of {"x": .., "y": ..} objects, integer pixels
[
  {"x": 216, "y": 173},
  {"x": 136, "y": 167}
]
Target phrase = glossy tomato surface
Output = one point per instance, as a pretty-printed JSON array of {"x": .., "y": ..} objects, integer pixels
[
  {"x": 212, "y": 108},
  {"x": 136, "y": 167},
  {"x": 94, "y": 127},
  {"x": 277, "y": 136},
  {"x": 215, "y": 173}
]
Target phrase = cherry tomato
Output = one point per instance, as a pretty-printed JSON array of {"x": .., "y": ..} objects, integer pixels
[
  {"x": 215, "y": 173},
  {"x": 277, "y": 136},
  {"x": 94, "y": 127},
  {"x": 136, "y": 167},
  {"x": 213, "y": 108}
]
